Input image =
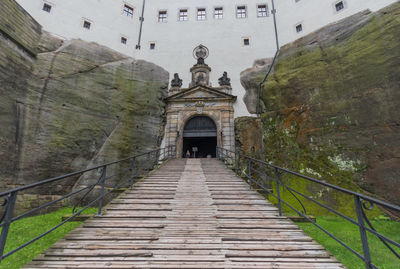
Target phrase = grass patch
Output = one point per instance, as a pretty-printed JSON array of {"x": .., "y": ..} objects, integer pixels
[
  {"x": 26, "y": 229},
  {"x": 349, "y": 233}
]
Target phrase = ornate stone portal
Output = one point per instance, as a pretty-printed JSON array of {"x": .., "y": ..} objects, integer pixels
[{"x": 200, "y": 117}]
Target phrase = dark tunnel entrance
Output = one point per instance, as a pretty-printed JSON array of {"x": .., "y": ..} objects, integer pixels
[{"x": 200, "y": 133}]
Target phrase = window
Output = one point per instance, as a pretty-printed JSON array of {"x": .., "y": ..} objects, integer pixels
[
  {"x": 128, "y": 11},
  {"x": 218, "y": 13},
  {"x": 152, "y": 46},
  {"x": 124, "y": 40},
  {"x": 162, "y": 16},
  {"x": 86, "y": 24},
  {"x": 241, "y": 12},
  {"x": 183, "y": 15},
  {"x": 201, "y": 14},
  {"x": 246, "y": 41},
  {"x": 46, "y": 7},
  {"x": 339, "y": 6},
  {"x": 262, "y": 11},
  {"x": 299, "y": 28}
]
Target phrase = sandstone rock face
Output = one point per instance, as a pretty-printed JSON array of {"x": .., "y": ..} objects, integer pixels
[
  {"x": 66, "y": 106},
  {"x": 250, "y": 80},
  {"x": 333, "y": 103},
  {"x": 249, "y": 136},
  {"x": 19, "y": 36},
  {"x": 91, "y": 105}
]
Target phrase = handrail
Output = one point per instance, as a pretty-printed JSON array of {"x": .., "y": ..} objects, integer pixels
[
  {"x": 361, "y": 201},
  {"x": 10, "y": 196},
  {"x": 50, "y": 180}
]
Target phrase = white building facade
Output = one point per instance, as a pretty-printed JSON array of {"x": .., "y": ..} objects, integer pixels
[{"x": 165, "y": 32}]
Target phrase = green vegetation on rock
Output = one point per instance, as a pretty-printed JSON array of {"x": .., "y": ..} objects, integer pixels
[{"x": 332, "y": 108}]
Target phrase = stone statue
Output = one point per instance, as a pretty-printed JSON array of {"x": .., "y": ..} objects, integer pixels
[
  {"x": 224, "y": 80},
  {"x": 200, "y": 79},
  {"x": 176, "y": 82}
]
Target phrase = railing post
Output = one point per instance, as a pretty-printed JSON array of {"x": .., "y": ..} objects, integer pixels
[
  {"x": 249, "y": 173},
  {"x": 277, "y": 179},
  {"x": 236, "y": 162},
  {"x": 363, "y": 234},
  {"x": 148, "y": 162},
  {"x": 133, "y": 173},
  {"x": 103, "y": 181},
  {"x": 12, "y": 197}
]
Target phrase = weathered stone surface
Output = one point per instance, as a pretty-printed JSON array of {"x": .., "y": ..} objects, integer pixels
[
  {"x": 73, "y": 105},
  {"x": 15, "y": 70},
  {"x": 19, "y": 26},
  {"x": 250, "y": 80},
  {"x": 333, "y": 103},
  {"x": 249, "y": 136},
  {"x": 48, "y": 43},
  {"x": 90, "y": 105}
]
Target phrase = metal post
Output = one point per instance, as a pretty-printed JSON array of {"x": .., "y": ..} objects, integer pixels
[
  {"x": 103, "y": 180},
  {"x": 11, "y": 198},
  {"x": 249, "y": 174},
  {"x": 237, "y": 162},
  {"x": 157, "y": 156},
  {"x": 148, "y": 162},
  {"x": 133, "y": 173},
  {"x": 363, "y": 234},
  {"x": 277, "y": 179}
]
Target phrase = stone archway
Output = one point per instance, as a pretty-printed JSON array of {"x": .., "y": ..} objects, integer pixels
[
  {"x": 199, "y": 137},
  {"x": 200, "y": 116}
]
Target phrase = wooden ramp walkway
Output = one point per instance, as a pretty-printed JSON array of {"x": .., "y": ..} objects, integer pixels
[{"x": 191, "y": 213}]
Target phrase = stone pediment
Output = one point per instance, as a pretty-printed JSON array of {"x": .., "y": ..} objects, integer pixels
[{"x": 200, "y": 93}]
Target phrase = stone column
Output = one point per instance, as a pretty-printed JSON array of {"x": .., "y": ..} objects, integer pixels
[{"x": 172, "y": 128}]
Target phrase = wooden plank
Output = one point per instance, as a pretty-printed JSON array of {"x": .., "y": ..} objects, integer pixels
[{"x": 190, "y": 214}]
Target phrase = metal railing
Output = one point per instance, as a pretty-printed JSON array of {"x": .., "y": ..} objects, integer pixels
[
  {"x": 268, "y": 177},
  {"x": 124, "y": 173}
]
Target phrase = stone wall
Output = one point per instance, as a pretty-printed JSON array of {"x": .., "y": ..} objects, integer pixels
[
  {"x": 333, "y": 104},
  {"x": 68, "y": 105}
]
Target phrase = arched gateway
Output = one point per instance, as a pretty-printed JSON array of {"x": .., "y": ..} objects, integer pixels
[
  {"x": 200, "y": 137},
  {"x": 201, "y": 116}
]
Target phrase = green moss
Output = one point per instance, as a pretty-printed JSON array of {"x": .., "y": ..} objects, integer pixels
[
  {"x": 137, "y": 100},
  {"x": 283, "y": 149},
  {"x": 365, "y": 60},
  {"x": 321, "y": 102}
]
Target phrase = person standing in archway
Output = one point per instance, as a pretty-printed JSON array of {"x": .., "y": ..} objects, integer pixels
[{"x": 187, "y": 154}]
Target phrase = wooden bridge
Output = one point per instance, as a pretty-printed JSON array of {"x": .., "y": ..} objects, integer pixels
[{"x": 191, "y": 213}]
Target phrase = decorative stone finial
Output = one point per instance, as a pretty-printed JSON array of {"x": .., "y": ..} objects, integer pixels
[
  {"x": 200, "y": 52},
  {"x": 200, "y": 71},
  {"x": 176, "y": 82},
  {"x": 224, "y": 80}
]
